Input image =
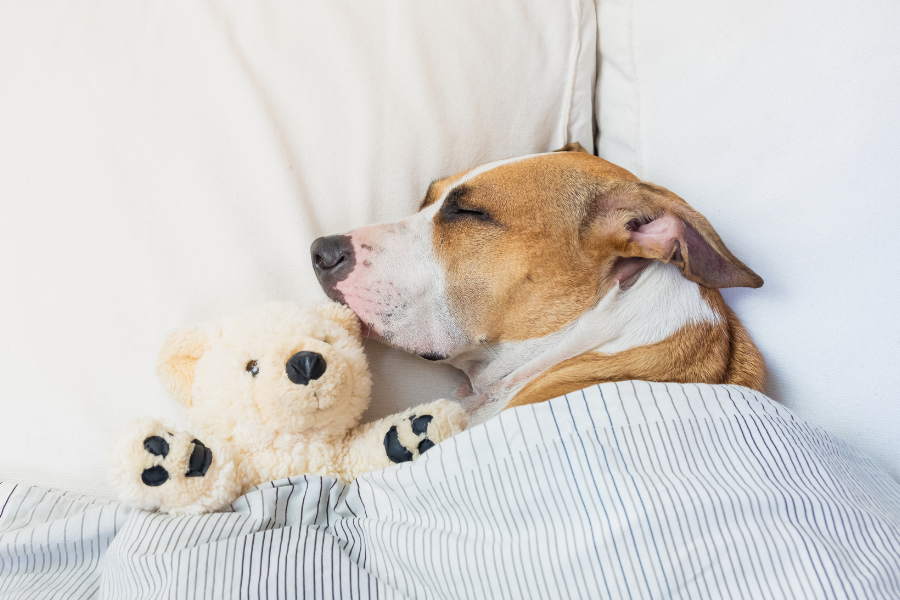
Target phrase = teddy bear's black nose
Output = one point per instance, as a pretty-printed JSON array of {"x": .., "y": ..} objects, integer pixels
[{"x": 303, "y": 367}]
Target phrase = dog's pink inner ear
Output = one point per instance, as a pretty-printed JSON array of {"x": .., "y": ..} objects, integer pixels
[
  {"x": 660, "y": 238},
  {"x": 671, "y": 239}
]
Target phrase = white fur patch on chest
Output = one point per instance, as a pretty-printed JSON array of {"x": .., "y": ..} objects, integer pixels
[{"x": 660, "y": 303}]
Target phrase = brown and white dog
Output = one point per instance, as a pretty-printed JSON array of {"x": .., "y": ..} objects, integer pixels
[{"x": 545, "y": 274}]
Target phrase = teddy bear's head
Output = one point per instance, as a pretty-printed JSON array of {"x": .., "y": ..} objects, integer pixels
[{"x": 279, "y": 367}]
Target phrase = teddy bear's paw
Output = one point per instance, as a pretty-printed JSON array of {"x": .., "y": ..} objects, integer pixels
[
  {"x": 395, "y": 449},
  {"x": 418, "y": 432},
  {"x": 157, "y": 467},
  {"x": 198, "y": 465}
]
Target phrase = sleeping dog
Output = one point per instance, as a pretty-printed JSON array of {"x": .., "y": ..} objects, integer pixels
[{"x": 545, "y": 274}]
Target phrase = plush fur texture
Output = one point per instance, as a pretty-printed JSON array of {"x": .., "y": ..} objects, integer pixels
[{"x": 253, "y": 423}]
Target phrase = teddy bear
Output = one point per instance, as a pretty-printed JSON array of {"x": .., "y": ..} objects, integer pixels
[{"x": 275, "y": 391}]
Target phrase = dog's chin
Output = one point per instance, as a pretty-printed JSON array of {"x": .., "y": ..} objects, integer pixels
[
  {"x": 409, "y": 338},
  {"x": 368, "y": 331},
  {"x": 371, "y": 333}
]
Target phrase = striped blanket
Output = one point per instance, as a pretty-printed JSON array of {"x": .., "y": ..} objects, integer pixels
[{"x": 629, "y": 490}]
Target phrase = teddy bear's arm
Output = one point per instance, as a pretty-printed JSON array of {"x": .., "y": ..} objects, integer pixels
[{"x": 401, "y": 437}]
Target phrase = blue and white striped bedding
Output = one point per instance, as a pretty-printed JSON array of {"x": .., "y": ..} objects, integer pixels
[{"x": 629, "y": 490}]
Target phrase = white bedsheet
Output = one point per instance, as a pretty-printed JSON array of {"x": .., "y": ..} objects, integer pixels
[{"x": 629, "y": 490}]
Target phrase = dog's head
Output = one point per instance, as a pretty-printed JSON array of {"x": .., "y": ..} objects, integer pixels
[{"x": 514, "y": 250}]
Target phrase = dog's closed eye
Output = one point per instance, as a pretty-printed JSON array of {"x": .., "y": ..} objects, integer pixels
[
  {"x": 459, "y": 210},
  {"x": 454, "y": 207}
]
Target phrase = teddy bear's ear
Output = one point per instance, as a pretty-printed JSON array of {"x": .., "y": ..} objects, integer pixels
[
  {"x": 178, "y": 358},
  {"x": 341, "y": 315}
]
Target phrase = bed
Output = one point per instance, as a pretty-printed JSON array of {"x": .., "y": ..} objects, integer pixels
[
  {"x": 169, "y": 162},
  {"x": 620, "y": 490}
]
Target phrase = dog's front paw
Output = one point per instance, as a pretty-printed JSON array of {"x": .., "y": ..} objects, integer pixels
[
  {"x": 419, "y": 429},
  {"x": 157, "y": 467}
]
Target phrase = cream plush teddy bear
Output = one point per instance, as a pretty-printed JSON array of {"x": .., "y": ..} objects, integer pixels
[{"x": 272, "y": 392}]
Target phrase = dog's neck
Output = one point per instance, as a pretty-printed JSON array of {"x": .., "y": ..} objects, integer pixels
[{"x": 660, "y": 303}]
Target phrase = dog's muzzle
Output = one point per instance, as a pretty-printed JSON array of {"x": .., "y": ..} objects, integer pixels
[{"x": 333, "y": 259}]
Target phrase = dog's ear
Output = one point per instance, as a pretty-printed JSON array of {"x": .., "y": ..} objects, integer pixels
[
  {"x": 658, "y": 225},
  {"x": 178, "y": 359},
  {"x": 573, "y": 147},
  {"x": 341, "y": 315}
]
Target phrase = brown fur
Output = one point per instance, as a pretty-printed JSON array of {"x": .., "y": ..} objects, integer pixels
[
  {"x": 695, "y": 354},
  {"x": 555, "y": 239},
  {"x": 530, "y": 270}
]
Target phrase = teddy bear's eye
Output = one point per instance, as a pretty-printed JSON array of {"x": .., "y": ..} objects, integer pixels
[{"x": 253, "y": 368}]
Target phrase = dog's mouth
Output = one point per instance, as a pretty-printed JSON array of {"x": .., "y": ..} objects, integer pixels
[{"x": 371, "y": 333}]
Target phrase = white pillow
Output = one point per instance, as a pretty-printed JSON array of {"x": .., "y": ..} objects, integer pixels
[
  {"x": 779, "y": 121},
  {"x": 164, "y": 162}
]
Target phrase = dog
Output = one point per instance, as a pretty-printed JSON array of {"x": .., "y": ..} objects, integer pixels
[{"x": 545, "y": 274}]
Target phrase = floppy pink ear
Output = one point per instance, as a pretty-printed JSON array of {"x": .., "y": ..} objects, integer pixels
[
  {"x": 341, "y": 315},
  {"x": 178, "y": 359},
  {"x": 683, "y": 237}
]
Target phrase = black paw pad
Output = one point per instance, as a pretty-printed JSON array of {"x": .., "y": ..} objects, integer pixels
[
  {"x": 156, "y": 446},
  {"x": 424, "y": 445},
  {"x": 420, "y": 424},
  {"x": 201, "y": 458},
  {"x": 155, "y": 476},
  {"x": 396, "y": 451}
]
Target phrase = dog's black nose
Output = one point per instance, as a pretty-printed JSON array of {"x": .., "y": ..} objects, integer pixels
[
  {"x": 303, "y": 367},
  {"x": 333, "y": 260},
  {"x": 332, "y": 255}
]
